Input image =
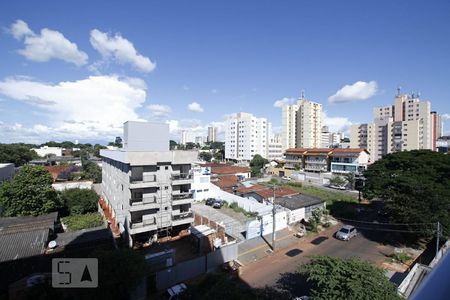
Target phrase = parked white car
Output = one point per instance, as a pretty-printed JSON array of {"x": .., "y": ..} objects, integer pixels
[
  {"x": 175, "y": 291},
  {"x": 286, "y": 178},
  {"x": 346, "y": 233}
]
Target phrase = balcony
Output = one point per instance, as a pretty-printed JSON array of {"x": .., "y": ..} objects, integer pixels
[
  {"x": 146, "y": 180},
  {"x": 147, "y": 223},
  {"x": 182, "y": 218},
  {"x": 182, "y": 198},
  {"x": 181, "y": 178},
  {"x": 146, "y": 202}
]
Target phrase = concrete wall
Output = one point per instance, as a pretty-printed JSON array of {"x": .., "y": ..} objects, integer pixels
[
  {"x": 6, "y": 172},
  {"x": 61, "y": 186},
  {"x": 146, "y": 136}
]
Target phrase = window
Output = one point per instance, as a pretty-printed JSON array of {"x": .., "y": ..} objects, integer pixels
[{"x": 167, "y": 168}]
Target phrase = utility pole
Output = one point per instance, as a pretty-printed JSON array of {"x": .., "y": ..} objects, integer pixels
[
  {"x": 437, "y": 238},
  {"x": 273, "y": 219}
]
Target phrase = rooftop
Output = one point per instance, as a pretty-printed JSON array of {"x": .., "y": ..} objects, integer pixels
[
  {"x": 326, "y": 151},
  {"x": 266, "y": 192},
  {"x": 298, "y": 201}
]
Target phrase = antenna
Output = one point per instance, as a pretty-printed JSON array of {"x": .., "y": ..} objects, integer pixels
[
  {"x": 399, "y": 89},
  {"x": 302, "y": 94}
]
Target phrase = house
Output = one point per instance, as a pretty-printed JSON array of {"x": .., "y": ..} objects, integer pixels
[
  {"x": 263, "y": 193},
  {"x": 201, "y": 185},
  {"x": 146, "y": 186},
  {"x": 300, "y": 206},
  {"x": 48, "y": 151},
  {"x": 336, "y": 160},
  {"x": 7, "y": 172},
  {"x": 219, "y": 170},
  {"x": 349, "y": 160}
]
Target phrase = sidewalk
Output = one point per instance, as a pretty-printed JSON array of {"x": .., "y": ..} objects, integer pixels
[{"x": 258, "y": 248}]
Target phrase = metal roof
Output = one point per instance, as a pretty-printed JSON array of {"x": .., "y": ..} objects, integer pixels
[
  {"x": 10, "y": 225},
  {"x": 297, "y": 201},
  {"x": 24, "y": 244}
]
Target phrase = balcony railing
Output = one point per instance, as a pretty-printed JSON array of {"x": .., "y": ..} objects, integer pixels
[
  {"x": 181, "y": 176},
  {"x": 183, "y": 215},
  {"x": 143, "y": 200},
  {"x": 144, "y": 178},
  {"x": 182, "y": 196}
]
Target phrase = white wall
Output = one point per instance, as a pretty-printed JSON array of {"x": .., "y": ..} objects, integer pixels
[{"x": 45, "y": 150}]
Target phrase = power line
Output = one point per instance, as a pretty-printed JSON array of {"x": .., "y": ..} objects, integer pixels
[{"x": 394, "y": 224}]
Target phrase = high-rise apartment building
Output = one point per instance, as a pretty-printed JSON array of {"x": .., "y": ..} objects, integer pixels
[
  {"x": 408, "y": 124},
  {"x": 245, "y": 136},
  {"x": 146, "y": 186},
  {"x": 212, "y": 133},
  {"x": 302, "y": 124}
]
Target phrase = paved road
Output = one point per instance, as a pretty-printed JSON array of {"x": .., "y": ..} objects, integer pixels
[{"x": 269, "y": 270}]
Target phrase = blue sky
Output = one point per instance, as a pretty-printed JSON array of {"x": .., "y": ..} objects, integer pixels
[{"x": 78, "y": 70}]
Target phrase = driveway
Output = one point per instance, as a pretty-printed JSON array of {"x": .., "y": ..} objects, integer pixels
[{"x": 269, "y": 270}]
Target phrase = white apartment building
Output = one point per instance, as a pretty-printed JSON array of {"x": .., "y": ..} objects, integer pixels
[
  {"x": 330, "y": 139},
  {"x": 275, "y": 147},
  {"x": 212, "y": 134},
  {"x": 201, "y": 185},
  {"x": 46, "y": 150},
  {"x": 147, "y": 187},
  {"x": 186, "y": 137},
  {"x": 302, "y": 125},
  {"x": 407, "y": 125},
  {"x": 245, "y": 136}
]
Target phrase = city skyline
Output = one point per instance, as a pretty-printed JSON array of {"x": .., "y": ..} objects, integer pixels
[{"x": 180, "y": 65}]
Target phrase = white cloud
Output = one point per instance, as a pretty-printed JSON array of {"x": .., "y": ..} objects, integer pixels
[
  {"x": 337, "y": 124},
  {"x": 91, "y": 108},
  {"x": 49, "y": 44},
  {"x": 194, "y": 127},
  {"x": 445, "y": 117},
  {"x": 159, "y": 110},
  {"x": 119, "y": 49},
  {"x": 358, "y": 91},
  {"x": 214, "y": 91},
  {"x": 195, "y": 107},
  {"x": 284, "y": 101}
]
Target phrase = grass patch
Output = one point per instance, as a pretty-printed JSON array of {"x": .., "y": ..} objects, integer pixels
[
  {"x": 78, "y": 222},
  {"x": 401, "y": 257},
  {"x": 329, "y": 196}
]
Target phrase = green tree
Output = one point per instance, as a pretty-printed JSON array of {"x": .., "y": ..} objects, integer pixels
[
  {"x": 219, "y": 155},
  {"x": 217, "y": 145},
  {"x": 91, "y": 171},
  {"x": 30, "y": 192},
  {"x": 79, "y": 201},
  {"x": 336, "y": 278},
  {"x": 414, "y": 186},
  {"x": 256, "y": 164},
  {"x": 351, "y": 179},
  {"x": 206, "y": 156},
  {"x": 173, "y": 145},
  {"x": 338, "y": 180},
  {"x": 18, "y": 154},
  {"x": 190, "y": 146}
]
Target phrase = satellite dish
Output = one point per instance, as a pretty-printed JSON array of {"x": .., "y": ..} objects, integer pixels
[{"x": 52, "y": 244}]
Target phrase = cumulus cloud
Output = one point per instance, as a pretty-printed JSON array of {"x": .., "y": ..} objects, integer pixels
[
  {"x": 337, "y": 124},
  {"x": 446, "y": 117},
  {"x": 49, "y": 44},
  {"x": 159, "y": 110},
  {"x": 358, "y": 91},
  {"x": 119, "y": 49},
  {"x": 91, "y": 108},
  {"x": 284, "y": 101},
  {"x": 194, "y": 127},
  {"x": 195, "y": 107}
]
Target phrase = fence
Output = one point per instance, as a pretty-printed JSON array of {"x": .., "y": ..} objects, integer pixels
[{"x": 195, "y": 267}]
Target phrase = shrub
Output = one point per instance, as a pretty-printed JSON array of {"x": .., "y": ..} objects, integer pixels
[
  {"x": 78, "y": 222},
  {"x": 79, "y": 201}
]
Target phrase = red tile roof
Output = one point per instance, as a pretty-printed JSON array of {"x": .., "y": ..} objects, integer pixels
[
  {"x": 55, "y": 170},
  {"x": 226, "y": 182},
  {"x": 224, "y": 169}
]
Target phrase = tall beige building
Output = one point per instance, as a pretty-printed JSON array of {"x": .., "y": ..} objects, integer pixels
[
  {"x": 406, "y": 125},
  {"x": 212, "y": 132},
  {"x": 302, "y": 124}
]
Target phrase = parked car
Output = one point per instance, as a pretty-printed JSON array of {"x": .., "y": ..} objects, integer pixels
[
  {"x": 210, "y": 201},
  {"x": 286, "y": 178},
  {"x": 217, "y": 204},
  {"x": 337, "y": 187},
  {"x": 175, "y": 291},
  {"x": 346, "y": 233}
]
